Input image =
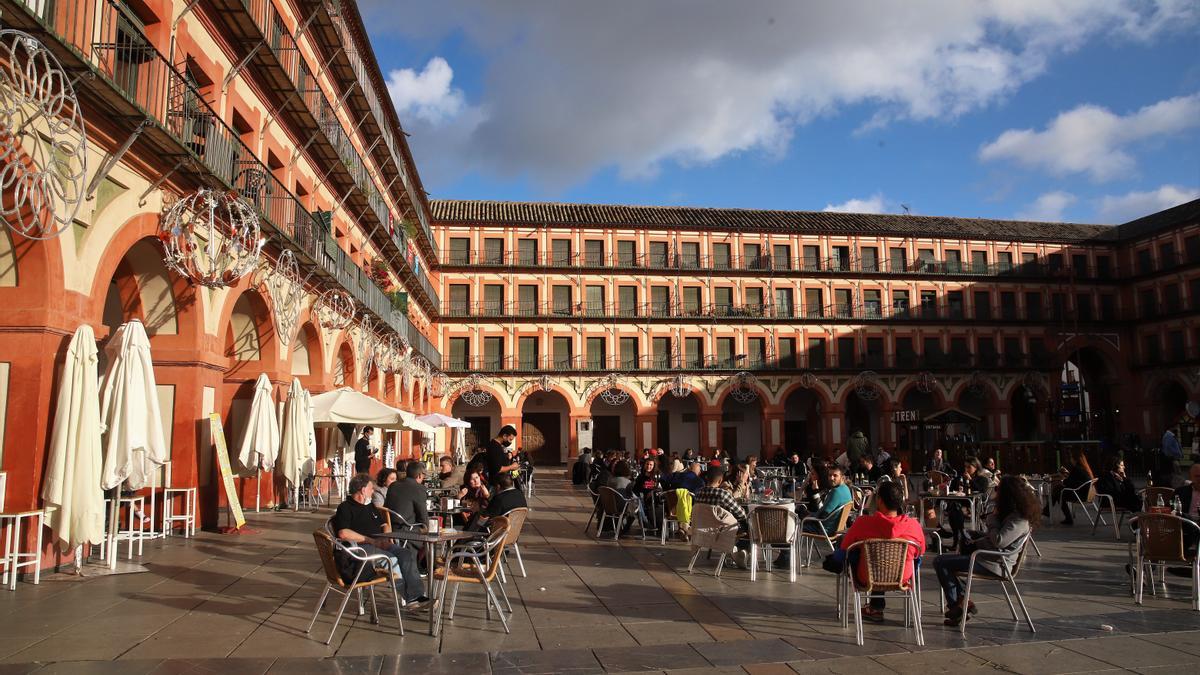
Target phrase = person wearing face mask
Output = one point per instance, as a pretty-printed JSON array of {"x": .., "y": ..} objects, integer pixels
[{"x": 496, "y": 453}]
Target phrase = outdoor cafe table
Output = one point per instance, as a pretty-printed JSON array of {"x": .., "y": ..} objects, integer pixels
[
  {"x": 433, "y": 542},
  {"x": 971, "y": 501}
]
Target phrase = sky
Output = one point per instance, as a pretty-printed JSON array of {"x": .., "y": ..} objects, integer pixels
[{"x": 1063, "y": 110}]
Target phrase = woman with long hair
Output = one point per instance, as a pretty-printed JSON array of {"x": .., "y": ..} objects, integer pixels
[
  {"x": 1017, "y": 510},
  {"x": 739, "y": 482},
  {"x": 1073, "y": 478}
]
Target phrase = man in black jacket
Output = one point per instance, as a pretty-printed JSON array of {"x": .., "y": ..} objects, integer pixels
[
  {"x": 498, "y": 461},
  {"x": 407, "y": 497},
  {"x": 507, "y": 498},
  {"x": 358, "y": 522}
]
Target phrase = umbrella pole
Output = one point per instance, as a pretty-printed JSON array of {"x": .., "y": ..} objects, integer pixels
[
  {"x": 257, "y": 489},
  {"x": 153, "y": 499},
  {"x": 112, "y": 530}
]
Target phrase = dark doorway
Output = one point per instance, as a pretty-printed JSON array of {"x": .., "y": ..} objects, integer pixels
[
  {"x": 729, "y": 441},
  {"x": 664, "y": 429},
  {"x": 478, "y": 434},
  {"x": 606, "y": 433},
  {"x": 541, "y": 437},
  {"x": 795, "y": 437}
]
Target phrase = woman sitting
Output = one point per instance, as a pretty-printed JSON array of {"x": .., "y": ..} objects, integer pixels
[
  {"x": 1017, "y": 512},
  {"x": 1117, "y": 485},
  {"x": 739, "y": 483},
  {"x": 1074, "y": 478},
  {"x": 474, "y": 496}
]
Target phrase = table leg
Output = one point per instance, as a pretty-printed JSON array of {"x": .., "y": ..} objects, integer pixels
[
  {"x": 37, "y": 552},
  {"x": 431, "y": 586}
]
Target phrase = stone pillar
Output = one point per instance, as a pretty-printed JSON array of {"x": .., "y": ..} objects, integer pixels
[
  {"x": 573, "y": 442},
  {"x": 772, "y": 425},
  {"x": 645, "y": 431},
  {"x": 710, "y": 430}
]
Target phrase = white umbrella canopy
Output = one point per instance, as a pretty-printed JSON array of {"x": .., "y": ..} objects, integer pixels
[
  {"x": 346, "y": 406},
  {"x": 129, "y": 410},
  {"x": 294, "y": 449},
  {"x": 73, "y": 470},
  {"x": 440, "y": 420},
  {"x": 260, "y": 442}
]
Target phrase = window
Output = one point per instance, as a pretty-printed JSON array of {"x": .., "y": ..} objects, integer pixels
[
  {"x": 1084, "y": 309},
  {"x": 563, "y": 356},
  {"x": 1029, "y": 263},
  {"x": 959, "y": 352},
  {"x": 560, "y": 252},
  {"x": 816, "y": 353},
  {"x": 460, "y": 299},
  {"x": 693, "y": 352},
  {"x": 787, "y": 353},
  {"x": 1055, "y": 262},
  {"x": 1166, "y": 256},
  {"x": 629, "y": 353},
  {"x": 925, "y": 261},
  {"x": 527, "y": 353},
  {"x": 460, "y": 251},
  {"x": 1146, "y": 303},
  {"x": 725, "y": 352},
  {"x": 593, "y": 252},
  {"x": 754, "y": 301},
  {"x": 658, "y": 254},
  {"x": 561, "y": 299},
  {"x": 723, "y": 299},
  {"x": 1194, "y": 293},
  {"x": 845, "y": 353},
  {"x": 627, "y": 300},
  {"x": 1176, "y": 349},
  {"x": 1145, "y": 263},
  {"x": 986, "y": 347},
  {"x": 493, "y": 353},
  {"x": 929, "y": 304},
  {"x": 594, "y": 304},
  {"x": 870, "y": 259},
  {"x": 979, "y": 262},
  {"x": 756, "y": 352},
  {"x": 900, "y": 304},
  {"x": 954, "y": 302},
  {"x": 1008, "y": 305},
  {"x": 954, "y": 261},
  {"x": 1033, "y": 306},
  {"x": 1058, "y": 306},
  {"x": 660, "y": 300},
  {"x": 781, "y": 257},
  {"x": 1004, "y": 262},
  {"x": 1013, "y": 355},
  {"x": 1079, "y": 265},
  {"x": 784, "y": 304},
  {"x": 1151, "y": 348},
  {"x": 527, "y": 300},
  {"x": 752, "y": 257},
  {"x": 872, "y": 304},
  {"x": 1103, "y": 267},
  {"x": 597, "y": 359},
  {"x": 493, "y": 298},
  {"x": 493, "y": 251},
  {"x": 460, "y": 353},
  {"x": 983, "y": 305},
  {"x": 627, "y": 253},
  {"x": 527, "y": 252},
  {"x": 814, "y": 302},
  {"x": 691, "y": 300},
  {"x": 1108, "y": 307},
  {"x": 875, "y": 352},
  {"x": 841, "y": 258},
  {"x": 812, "y": 258},
  {"x": 1191, "y": 247},
  {"x": 906, "y": 355},
  {"x": 689, "y": 251},
  {"x": 843, "y": 303},
  {"x": 898, "y": 260},
  {"x": 661, "y": 348},
  {"x": 932, "y": 348},
  {"x": 722, "y": 257}
]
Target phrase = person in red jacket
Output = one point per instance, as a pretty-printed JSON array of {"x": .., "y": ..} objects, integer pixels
[{"x": 888, "y": 522}]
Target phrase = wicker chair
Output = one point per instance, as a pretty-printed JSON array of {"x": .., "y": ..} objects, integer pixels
[
  {"x": 1007, "y": 577},
  {"x": 326, "y": 545},
  {"x": 616, "y": 507},
  {"x": 516, "y": 522},
  {"x": 475, "y": 563},
  {"x": 1159, "y": 542},
  {"x": 811, "y": 540},
  {"x": 773, "y": 527},
  {"x": 713, "y": 529},
  {"x": 886, "y": 561},
  {"x": 937, "y": 478}
]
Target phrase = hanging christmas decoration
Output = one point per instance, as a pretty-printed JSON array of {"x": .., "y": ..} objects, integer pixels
[
  {"x": 437, "y": 385},
  {"x": 977, "y": 382},
  {"x": 743, "y": 388},
  {"x": 43, "y": 158},
  {"x": 866, "y": 385},
  {"x": 366, "y": 342},
  {"x": 211, "y": 237},
  {"x": 473, "y": 393},
  {"x": 334, "y": 309},
  {"x": 679, "y": 387},
  {"x": 808, "y": 380},
  {"x": 926, "y": 382},
  {"x": 286, "y": 287},
  {"x": 610, "y": 392}
]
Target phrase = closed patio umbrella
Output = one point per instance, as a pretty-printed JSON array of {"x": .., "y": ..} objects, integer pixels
[
  {"x": 260, "y": 442},
  {"x": 295, "y": 451},
  {"x": 73, "y": 469}
]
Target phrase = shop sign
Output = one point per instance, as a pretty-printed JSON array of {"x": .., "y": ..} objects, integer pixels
[{"x": 906, "y": 415}]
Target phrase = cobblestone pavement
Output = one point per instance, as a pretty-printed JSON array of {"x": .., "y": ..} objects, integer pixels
[{"x": 240, "y": 604}]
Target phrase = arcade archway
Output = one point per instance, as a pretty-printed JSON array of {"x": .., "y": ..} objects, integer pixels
[
  {"x": 678, "y": 426},
  {"x": 802, "y": 423},
  {"x": 545, "y": 431}
]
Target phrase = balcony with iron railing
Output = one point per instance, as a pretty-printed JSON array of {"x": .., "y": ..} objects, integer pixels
[{"x": 135, "y": 81}]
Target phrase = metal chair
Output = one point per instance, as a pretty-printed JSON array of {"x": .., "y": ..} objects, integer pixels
[
  {"x": 713, "y": 529},
  {"x": 1104, "y": 503},
  {"x": 814, "y": 539},
  {"x": 670, "y": 522},
  {"x": 1159, "y": 542},
  {"x": 885, "y": 562},
  {"x": 771, "y": 528},
  {"x": 1007, "y": 577},
  {"x": 1073, "y": 496},
  {"x": 326, "y": 545},
  {"x": 616, "y": 507},
  {"x": 475, "y": 563},
  {"x": 595, "y": 507},
  {"x": 516, "y": 522}
]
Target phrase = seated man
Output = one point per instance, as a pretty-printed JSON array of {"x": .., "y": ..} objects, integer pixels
[
  {"x": 837, "y": 495},
  {"x": 1189, "y": 507},
  {"x": 507, "y": 498},
  {"x": 714, "y": 495},
  {"x": 408, "y": 497},
  {"x": 888, "y": 522},
  {"x": 359, "y": 522},
  {"x": 690, "y": 479},
  {"x": 450, "y": 475}
]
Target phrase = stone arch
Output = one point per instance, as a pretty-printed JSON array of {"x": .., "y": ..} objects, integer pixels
[
  {"x": 938, "y": 393},
  {"x": 8, "y": 261},
  {"x": 638, "y": 402},
  {"x": 821, "y": 390},
  {"x": 142, "y": 288},
  {"x": 764, "y": 396},
  {"x": 530, "y": 391},
  {"x": 342, "y": 369},
  {"x": 250, "y": 329},
  {"x": 305, "y": 354}
]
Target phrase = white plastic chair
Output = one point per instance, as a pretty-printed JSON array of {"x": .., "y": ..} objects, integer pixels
[{"x": 1007, "y": 577}]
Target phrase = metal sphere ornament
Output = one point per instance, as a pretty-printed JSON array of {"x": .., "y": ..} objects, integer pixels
[
  {"x": 926, "y": 382},
  {"x": 286, "y": 286},
  {"x": 545, "y": 383},
  {"x": 743, "y": 390},
  {"x": 976, "y": 382},
  {"x": 680, "y": 387},
  {"x": 808, "y": 380},
  {"x": 866, "y": 385},
  {"x": 610, "y": 392},
  {"x": 473, "y": 393},
  {"x": 437, "y": 385},
  {"x": 334, "y": 309},
  {"x": 211, "y": 237},
  {"x": 42, "y": 181}
]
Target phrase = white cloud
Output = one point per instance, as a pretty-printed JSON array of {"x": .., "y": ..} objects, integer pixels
[
  {"x": 572, "y": 88},
  {"x": 1093, "y": 140},
  {"x": 427, "y": 95},
  {"x": 873, "y": 204},
  {"x": 1126, "y": 207},
  {"x": 1048, "y": 207}
]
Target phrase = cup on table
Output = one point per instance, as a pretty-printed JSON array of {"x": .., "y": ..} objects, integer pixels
[{"x": 434, "y": 525}]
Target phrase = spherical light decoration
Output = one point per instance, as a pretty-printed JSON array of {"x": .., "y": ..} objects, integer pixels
[
  {"x": 334, "y": 309},
  {"x": 286, "y": 286},
  {"x": 743, "y": 389},
  {"x": 43, "y": 158},
  {"x": 211, "y": 237},
  {"x": 808, "y": 380},
  {"x": 473, "y": 393},
  {"x": 976, "y": 382},
  {"x": 546, "y": 383},
  {"x": 437, "y": 385},
  {"x": 610, "y": 392},
  {"x": 866, "y": 385},
  {"x": 926, "y": 382},
  {"x": 679, "y": 387}
]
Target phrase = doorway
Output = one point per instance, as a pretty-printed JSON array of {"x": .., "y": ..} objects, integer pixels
[
  {"x": 729, "y": 438},
  {"x": 540, "y": 437},
  {"x": 664, "y": 429},
  {"x": 478, "y": 434},
  {"x": 606, "y": 433}
]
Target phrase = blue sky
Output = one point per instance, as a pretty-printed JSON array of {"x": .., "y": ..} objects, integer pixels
[{"x": 1044, "y": 109}]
